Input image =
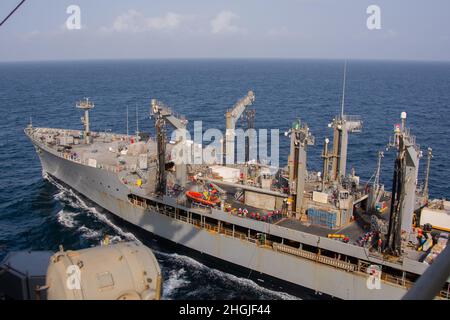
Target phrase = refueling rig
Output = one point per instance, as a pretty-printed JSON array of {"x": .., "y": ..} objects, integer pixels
[{"x": 329, "y": 200}]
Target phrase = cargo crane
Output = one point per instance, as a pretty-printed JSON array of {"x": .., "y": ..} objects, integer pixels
[
  {"x": 427, "y": 174},
  {"x": 326, "y": 163},
  {"x": 232, "y": 116},
  {"x": 161, "y": 141},
  {"x": 377, "y": 190},
  {"x": 301, "y": 137},
  {"x": 163, "y": 114},
  {"x": 403, "y": 186},
  {"x": 250, "y": 126},
  {"x": 342, "y": 126}
]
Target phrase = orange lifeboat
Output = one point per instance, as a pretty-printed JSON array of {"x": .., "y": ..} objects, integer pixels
[{"x": 198, "y": 197}]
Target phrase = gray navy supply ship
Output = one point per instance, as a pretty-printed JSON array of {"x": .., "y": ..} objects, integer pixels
[{"x": 326, "y": 231}]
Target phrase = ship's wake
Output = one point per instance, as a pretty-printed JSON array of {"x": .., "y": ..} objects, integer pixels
[
  {"x": 174, "y": 281},
  {"x": 211, "y": 283},
  {"x": 67, "y": 217}
]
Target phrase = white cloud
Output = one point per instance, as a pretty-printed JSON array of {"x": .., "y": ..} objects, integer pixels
[
  {"x": 134, "y": 21},
  {"x": 223, "y": 23},
  {"x": 279, "y": 31},
  {"x": 169, "y": 21},
  {"x": 129, "y": 21}
]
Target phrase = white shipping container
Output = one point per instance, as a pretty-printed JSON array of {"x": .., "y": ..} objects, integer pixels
[
  {"x": 227, "y": 174},
  {"x": 259, "y": 200},
  {"x": 439, "y": 219},
  {"x": 320, "y": 197}
]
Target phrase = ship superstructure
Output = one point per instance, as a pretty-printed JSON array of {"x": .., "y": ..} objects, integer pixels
[{"x": 328, "y": 231}]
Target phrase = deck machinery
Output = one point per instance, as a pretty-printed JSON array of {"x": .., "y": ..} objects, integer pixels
[
  {"x": 301, "y": 137},
  {"x": 328, "y": 197},
  {"x": 404, "y": 187},
  {"x": 163, "y": 114},
  {"x": 331, "y": 194}
]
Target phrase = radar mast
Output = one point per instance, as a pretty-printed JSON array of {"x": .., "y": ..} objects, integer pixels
[{"x": 85, "y": 105}]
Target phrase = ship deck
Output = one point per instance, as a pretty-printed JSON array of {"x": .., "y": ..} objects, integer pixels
[
  {"x": 353, "y": 230},
  {"x": 104, "y": 149}
]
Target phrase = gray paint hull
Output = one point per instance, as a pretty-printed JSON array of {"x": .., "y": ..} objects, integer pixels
[{"x": 111, "y": 194}]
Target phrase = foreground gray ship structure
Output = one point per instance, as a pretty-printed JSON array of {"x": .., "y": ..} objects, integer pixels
[
  {"x": 120, "y": 271},
  {"x": 329, "y": 232}
]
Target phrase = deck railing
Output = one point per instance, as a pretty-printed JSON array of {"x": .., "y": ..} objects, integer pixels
[
  {"x": 335, "y": 262},
  {"x": 361, "y": 268}
]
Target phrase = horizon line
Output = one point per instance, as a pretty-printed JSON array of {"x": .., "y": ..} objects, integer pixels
[{"x": 222, "y": 58}]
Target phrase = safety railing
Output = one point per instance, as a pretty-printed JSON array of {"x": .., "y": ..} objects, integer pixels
[
  {"x": 401, "y": 281},
  {"x": 315, "y": 257},
  {"x": 433, "y": 279},
  {"x": 397, "y": 280},
  {"x": 445, "y": 294},
  {"x": 335, "y": 262},
  {"x": 138, "y": 203}
]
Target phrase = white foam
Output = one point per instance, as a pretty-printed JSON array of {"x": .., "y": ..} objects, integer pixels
[
  {"x": 66, "y": 218},
  {"x": 115, "y": 239},
  {"x": 214, "y": 273},
  {"x": 174, "y": 282},
  {"x": 69, "y": 196},
  {"x": 89, "y": 233}
]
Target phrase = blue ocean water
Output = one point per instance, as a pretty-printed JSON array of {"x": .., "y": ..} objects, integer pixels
[{"x": 36, "y": 213}]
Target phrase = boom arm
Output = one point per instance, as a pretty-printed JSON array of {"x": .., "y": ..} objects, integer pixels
[
  {"x": 238, "y": 109},
  {"x": 232, "y": 116},
  {"x": 162, "y": 111}
]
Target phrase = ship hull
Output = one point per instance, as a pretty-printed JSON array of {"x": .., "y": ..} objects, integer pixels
[{"x": 104, "y": 188}]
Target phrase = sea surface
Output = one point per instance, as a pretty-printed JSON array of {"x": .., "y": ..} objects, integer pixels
[{"x": 40, "y": 214}]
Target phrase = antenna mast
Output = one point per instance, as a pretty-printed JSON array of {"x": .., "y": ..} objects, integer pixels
[
  {"x": 127, "y": 123},
  {"x": 343, "y": 90},
  {"x": 137, "y": 121},
  {"x": 342, "y": 125},
  {"x": 85, "y": 105}
]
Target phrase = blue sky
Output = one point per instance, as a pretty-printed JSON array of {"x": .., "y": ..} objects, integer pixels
[{"x": 330, "y": 29}]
